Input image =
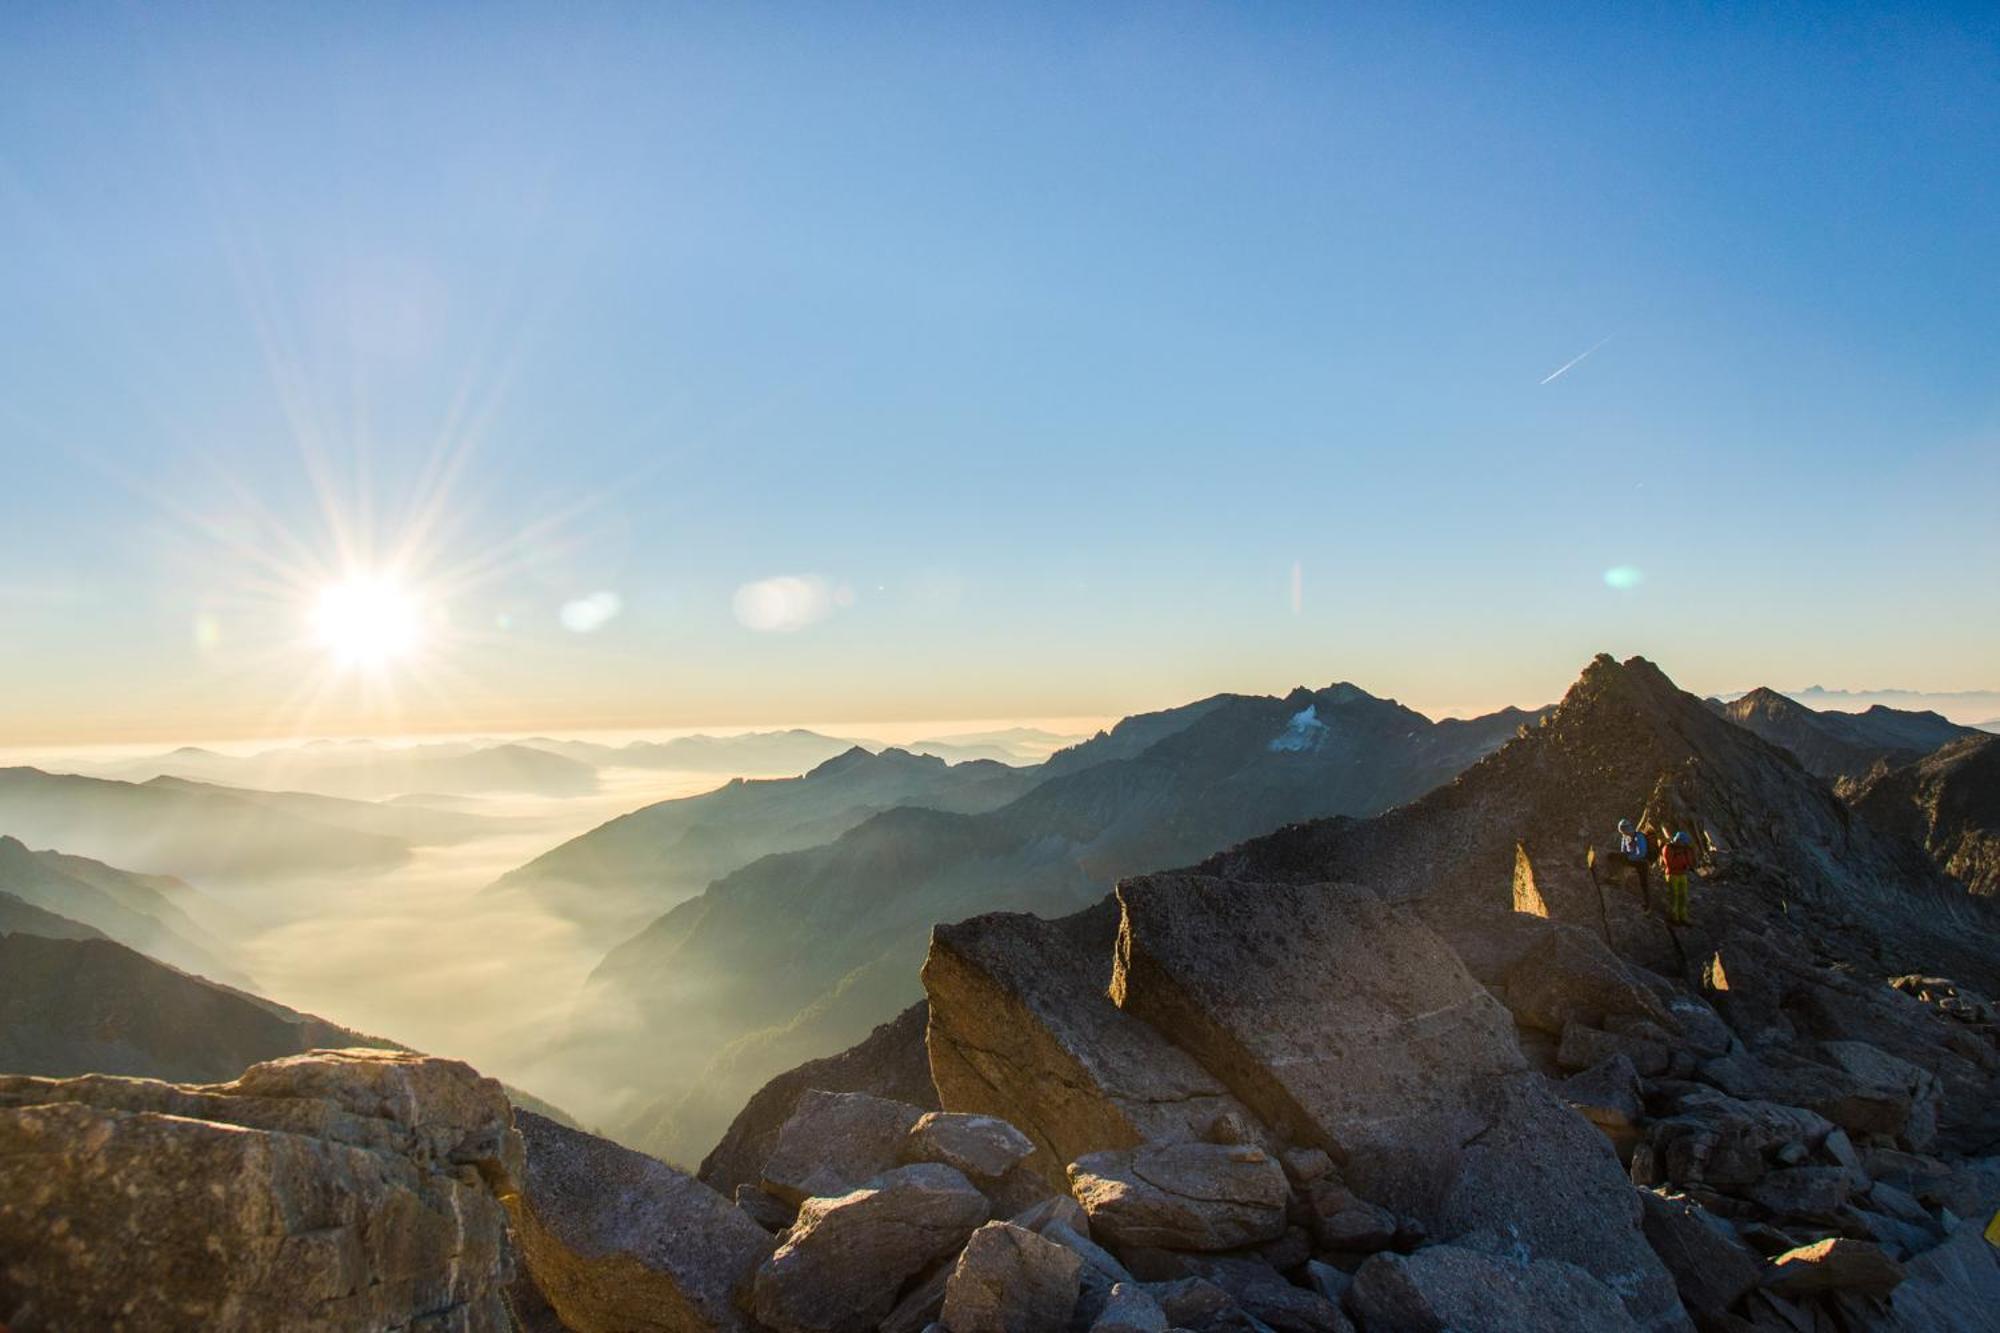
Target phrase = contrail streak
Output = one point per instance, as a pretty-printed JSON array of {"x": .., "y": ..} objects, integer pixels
[{"x": 1566, "y": 366}]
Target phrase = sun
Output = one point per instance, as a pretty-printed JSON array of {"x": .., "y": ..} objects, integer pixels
[{"x": 367, "y": 622}]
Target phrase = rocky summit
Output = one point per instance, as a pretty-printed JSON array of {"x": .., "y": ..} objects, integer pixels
[{"x": 1438, "y": 1069}]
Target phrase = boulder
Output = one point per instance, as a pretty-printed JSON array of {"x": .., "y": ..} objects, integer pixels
[
  {"x": 1953, "y": 1287},
  {"x": 1200, "y": 1306},
  {"x": 1815, "y": 1194},
  {"x": 984, "y": 1147},
  {"x": 1556, "y": 889},
  {"x": 620, "y": 1243},
  {"x": 1021, "y": 1028},
  {"x": 1343, "y": 1220},
  {"x": 358, "y": 1185},
  {"x": 1305, "y": 1165},
  {"x": 1334, "y": 1016},
  {"x": 834, "y": 1141},
  {"x": 1877, "y": 1068},
  {"x": 1585, "y": 1047},
  {"x": 766, "y": 1210},
  {"x": 1572, "y": 977},
  {"x": 1010, "y": 1280},
  {"x": 847, "y": 1258},
  {"x": 1262, "y": 1293},
  {"x": 1465, "y": 1290},
  {"x": 1854, "y": 1103},
  {"x": 922, "y": 1301},
  {"x": 1608, "y": 1096},
  {"x": 1101, "y": 1271},
  {"x": 1187, "y": 1196},
  {"x": 1130, "y": 1309},
  {"x": 1711, "y": 1266},
  {"x": 1834, "y": 1264},
  {"x": 1540, "y": 1175},
  {"x": 890, "y": 1062}
]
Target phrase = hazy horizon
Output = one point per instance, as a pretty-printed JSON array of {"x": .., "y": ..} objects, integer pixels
[{"x": 1971, "y": 707}]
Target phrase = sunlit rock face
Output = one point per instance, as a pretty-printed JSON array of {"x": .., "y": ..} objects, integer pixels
[{"x": 335, "y": 1190}]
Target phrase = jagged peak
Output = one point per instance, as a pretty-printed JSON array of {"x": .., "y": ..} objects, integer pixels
[{"x": 858, "y": 757}]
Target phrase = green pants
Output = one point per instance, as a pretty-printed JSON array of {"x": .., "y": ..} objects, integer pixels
[{"x": 1677, "y": 899}]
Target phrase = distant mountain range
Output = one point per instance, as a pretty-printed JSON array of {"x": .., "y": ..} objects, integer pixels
[
  {"x": 370, "y": 770},
  {"x": 787, "y": 753},
  {"x": 639, "y": 865},
  {"x": 1835, "y": 744},
  {"x": 800, "y": 953},
  {"x": 192, "y": 829},
  {"x": 1966, "y": 707},
  {"x": 76, "y": 897}
]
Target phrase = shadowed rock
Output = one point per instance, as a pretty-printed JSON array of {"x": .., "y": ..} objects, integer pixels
[
  {"x": 1010, "y": 1280},
  {"x": 890, "y": 1063},
  {"x": 1834, "y": 1264},
  {"x": 1334, "y": 1016},
  {"x": 835, "y": 1141},
  {"x": 621, "y": 1243},
  {"x": 1712, "y": 1268},
  {"x": 846, "y": 1259},
  {"x": 1020, "y": 1028},
  {"x": 1448, "y": 1287},
  {"x": 1188, "y": 1196},
  {"x": 1130, "y": 1309}
]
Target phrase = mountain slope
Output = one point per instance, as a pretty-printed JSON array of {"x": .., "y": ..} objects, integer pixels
[
  {"x": 72, "y": 1007},
  {"x": 19, "y": 916},
  {"x": 632, "y": 868},
  {"x": 1948, "y": 802},
  {"x": 404, "y": 821},
  {"x": 770, "y": 945},
  {"x": 139, "y": 911},
  {"x": 182, "y": 828},
  {"x": 1625, "y": 742},
  {"x": 1836, "y": 745}
]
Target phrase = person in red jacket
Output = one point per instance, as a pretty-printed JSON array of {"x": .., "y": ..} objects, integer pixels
[{"x": 1677, "y": 860}]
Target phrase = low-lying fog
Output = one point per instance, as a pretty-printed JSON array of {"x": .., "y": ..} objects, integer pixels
[
  {"x": 417, "y": 953},
  {"x": 413, "y": 953}
]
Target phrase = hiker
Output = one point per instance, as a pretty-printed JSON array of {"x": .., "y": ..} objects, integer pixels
[
  {"x": 1634, "y": 851},
  {"x": 1676, "y": 860}
]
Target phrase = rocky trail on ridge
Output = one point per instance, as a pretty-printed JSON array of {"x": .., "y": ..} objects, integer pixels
[{"x": 1422, "y": 1071}]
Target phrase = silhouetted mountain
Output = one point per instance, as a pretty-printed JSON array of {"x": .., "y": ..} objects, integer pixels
[
  {"x": 1010, "y": 745},
  {"x": 369, "y": 770},
  {"x": 144, "y": 912},
  {"x": 1836, "y": 745},
  {"x": 82, "y": 1004},
  {"x": 827, "y": 940},
  {"x": 183, "y": 828},
  {"x": 72, "y": 1007},
  {"x": 1947, "y": 802},
  {"x": 17, "y": 916},
  {"x": 640, "y": 864}
]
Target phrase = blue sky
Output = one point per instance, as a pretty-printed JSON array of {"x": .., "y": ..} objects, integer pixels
[{"x": 1037, "y": 345}]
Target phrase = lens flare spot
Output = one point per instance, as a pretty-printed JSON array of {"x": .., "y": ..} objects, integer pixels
[
  {"x": 587, "y": 615},
  {"x": 1623, "y": 578}
]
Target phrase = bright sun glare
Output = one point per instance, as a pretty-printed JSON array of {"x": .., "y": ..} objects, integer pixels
[{"x": 367, "y": 621}]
